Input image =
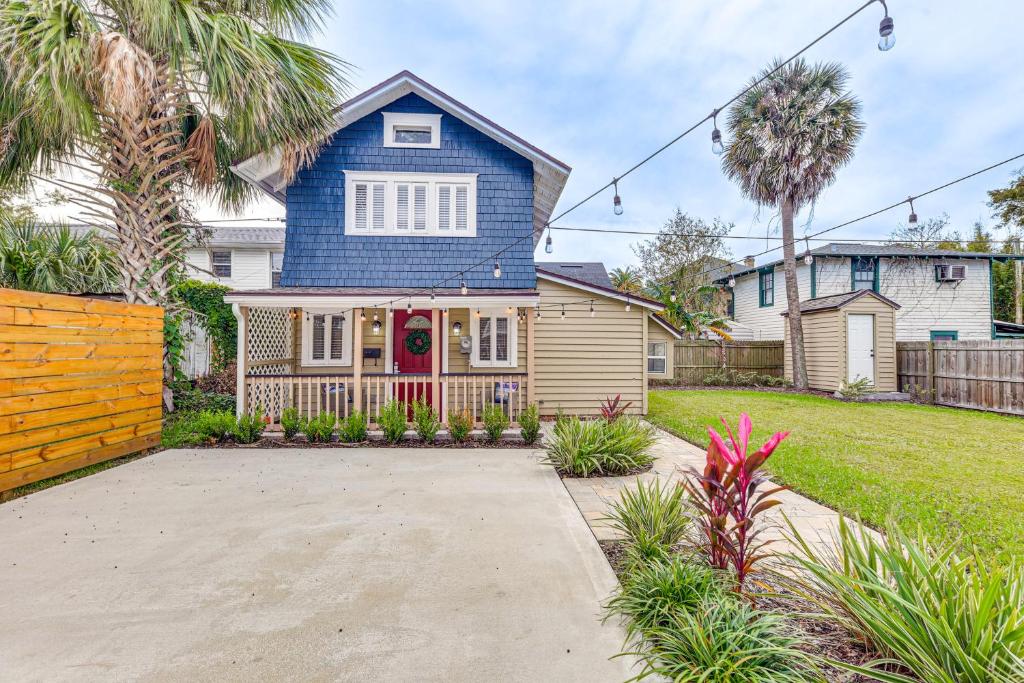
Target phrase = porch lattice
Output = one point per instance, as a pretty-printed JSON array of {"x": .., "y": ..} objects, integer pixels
[{"x": 271, "y": 351}]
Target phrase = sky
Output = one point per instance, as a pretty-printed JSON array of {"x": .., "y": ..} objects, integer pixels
[{"x": 600, "y": 85}]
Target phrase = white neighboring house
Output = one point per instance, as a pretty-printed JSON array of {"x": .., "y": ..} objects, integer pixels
[
  {"x": 240, "y": 258},
  {"x": 943, "y": 294}
]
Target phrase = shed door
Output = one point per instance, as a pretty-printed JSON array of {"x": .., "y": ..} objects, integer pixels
[{"x": 860, "y": 347}]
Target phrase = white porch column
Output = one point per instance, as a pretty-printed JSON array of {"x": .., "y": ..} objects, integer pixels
[
  {"x": 241, "y": 358},
  {"x": 357, "y": 359},
  {"x": 435, "y": 357}
]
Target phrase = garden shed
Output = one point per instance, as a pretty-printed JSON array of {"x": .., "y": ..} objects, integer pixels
[{"x": 847, "y": 337}]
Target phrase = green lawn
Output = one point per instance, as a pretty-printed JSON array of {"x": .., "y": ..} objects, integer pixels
[{"x": 957, "y": 473}]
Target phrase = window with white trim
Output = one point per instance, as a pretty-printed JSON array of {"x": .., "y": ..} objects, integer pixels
[
  {"x": 326, "y": 338},
  {"x": 494, "y": 340},
  {"x": 412, "y": 130},
  {"x": 657, "y": 357},
  {"x": 221, "y": 262},
  {"x": 422, "y": 204},
  {"x": 276, "y": 266}
]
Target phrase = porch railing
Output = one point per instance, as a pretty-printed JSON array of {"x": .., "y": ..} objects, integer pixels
[{"x": 315, "y": 394}]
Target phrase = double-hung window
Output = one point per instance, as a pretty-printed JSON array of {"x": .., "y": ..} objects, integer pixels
[
  {"x": 494, "y": 340},
  {"x": 221, "y": 262},
  {"x": 417, "y": 204},
  {"x": 276, "y": 266},
  {"x": 657, "y": 357},
  {"x": 326, "y": 338},
  {"x": 766, "y": 287},
  {"x": 864, "y": 273}
]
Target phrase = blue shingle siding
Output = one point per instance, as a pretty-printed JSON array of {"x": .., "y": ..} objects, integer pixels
[{"x": 319, "y": 254}]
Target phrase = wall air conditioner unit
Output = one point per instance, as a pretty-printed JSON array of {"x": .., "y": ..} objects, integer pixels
[{"x": 950, "y": 273}]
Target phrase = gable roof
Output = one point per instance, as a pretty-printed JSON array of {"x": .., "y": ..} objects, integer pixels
[
  {"x": 549, "y": 174},
  {"x": 245, "y": 237},
  {"x": 844, "y": 249},
  {"x": 609, "y": 292},
  {"x": 837, "y": 301},
  {"x": 672, "y": 329},
  {"x": 592, "y": 272}
]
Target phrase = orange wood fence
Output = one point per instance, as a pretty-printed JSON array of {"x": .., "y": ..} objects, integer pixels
[{"x": 80, "y": 383}]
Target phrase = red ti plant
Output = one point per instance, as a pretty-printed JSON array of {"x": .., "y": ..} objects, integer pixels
[
  {"x": 727, "y": 499},
  {"x": 613, "y": 409}
]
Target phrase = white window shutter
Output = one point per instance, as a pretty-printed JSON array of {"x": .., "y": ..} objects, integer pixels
[
  {"x": 461, "y": 207},
  {"x": 444, "y": 207},
  {"x": 378, "y": 206},
  {"x": 419, "y": 207},
  {"x": 361, "y": 206},
  {"x": 402, "y": 206}
]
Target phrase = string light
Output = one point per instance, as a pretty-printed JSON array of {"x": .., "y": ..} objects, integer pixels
[
  {"x": 628, "y": 307},
  {"x": 432, "y": 299},
  {"x": 808, "y": 256},
  {"x": 391, "y": 312},
  {"x": 563, "y": 311},
  {"x": 592, "y": 312},
  {"x": 362, "y": 315},
  {"x": 408, "y": 306},
  {"x": 375, "y": 318},
  {"x": 716, "y": 135},
  {"x": 548, "y": 248},
  {"x": 463, "y": 288},
  {"x": 912, "y": 220},
  {"x": 478, "y": 312},
  {"x": 672, "y": 296},
  {"x": 886, "y": 36},
  {"x": 497, "y": 268},
  {"x": 616, "y": 200}
]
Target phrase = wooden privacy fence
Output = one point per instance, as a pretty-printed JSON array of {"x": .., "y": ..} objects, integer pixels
[
  {"x": 80, "y": 382},
  {"x": 986, "y": 375},
  {"x": 696, "y": 359}
]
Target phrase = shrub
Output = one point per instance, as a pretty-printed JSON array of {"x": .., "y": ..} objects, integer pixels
[
  {"x": 580, "y": 448},
  {"x": 529, "y": 423},
  {"x": 392, "y": 421},
  {"x": 320, "y": 429},
  {"x": 724, "y": 639},
  {"x": 726, "y": 498},
  {"x": 654, "y": 592},
  {"x": 613, "y": 408},
  {"x": 943, "y": 617},
  {"x": 495, "y": 422},
  {"x": 651, "y": 517},
  {"x": 249, "y": 427},
  {"x": 460, "y": 423},
  {"x": 188, "y": 399},
  {"x": 291, "y": 422},
  {"x": 354, "y": 428},
  {"x": 733, "y": 378},
  {"x": 425, "y": 420},
  {"x": 855, "y": 389},
  {"x": 215, "y": 425}
]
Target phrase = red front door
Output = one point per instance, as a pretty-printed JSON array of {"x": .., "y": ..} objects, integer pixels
[{"x": 410, "y": 358}]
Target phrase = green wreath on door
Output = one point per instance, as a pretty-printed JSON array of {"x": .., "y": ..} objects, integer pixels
[{"x": 417, "y": 342}]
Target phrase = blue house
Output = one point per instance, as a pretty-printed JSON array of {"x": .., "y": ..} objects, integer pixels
[{"x": 409, "y": 273}]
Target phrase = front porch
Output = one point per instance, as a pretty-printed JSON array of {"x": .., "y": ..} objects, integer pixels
[{"x": 339, "y": 352}]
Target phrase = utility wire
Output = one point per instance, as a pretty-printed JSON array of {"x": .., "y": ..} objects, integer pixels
[{"x": 852, "y": 240}]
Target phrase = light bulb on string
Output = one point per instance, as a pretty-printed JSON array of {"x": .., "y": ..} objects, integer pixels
[
  {"x": 628, "y": 307},
  {"x": 617, "y": 200},
  {"x": 912, "y": 219},
  {"x": 362, "y": 315},
  {"x": 548, "y": 248},
  {"x": 808, "y": 256},
  {"x": 463, "y": 288},
  {"x": 563, "y": 311},
  {"x": 886, "y": 33},
  {"x": 592, "y": 311},
  {"x": 497, "y": 269},
  {"x": 716, "y": 135},
  {"x": 408, "y": 306}
]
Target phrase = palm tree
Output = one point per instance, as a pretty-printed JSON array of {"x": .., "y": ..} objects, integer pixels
[
  {"x": 789, "y": 136},
  {"x": 45, "y": 259},
  {"x": 627, "y": 280},
  {"x": 153, "y": 101}
]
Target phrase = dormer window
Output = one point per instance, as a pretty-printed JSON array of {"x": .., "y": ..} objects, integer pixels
[
  {"x": 412, "y": 130},
  {"x": 410, "y": 204}
]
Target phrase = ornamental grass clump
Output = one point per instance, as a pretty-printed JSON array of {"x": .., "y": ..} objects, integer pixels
[
  {"x": 425, "y": 420},
  {"x": 652, "y": 518},
  {"x": 392, "y": 420},
  {"x": 354, "y": 428},
  {"x": 942, "y": 617},
  {"x": 727, "y": 500},
  {"x": 320, "y": 429},
  {"x": 495, "y": 422},
  {"x": 582, "y": 448}
]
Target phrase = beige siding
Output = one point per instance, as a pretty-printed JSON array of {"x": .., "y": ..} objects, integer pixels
[
  {"x": 767, "y": 322},
  {"x": 582, "y": 360},
  {"x": 825, "y": 345},
  {"x": 250, "y": 268},
  {"x": 657, "y": 333}
]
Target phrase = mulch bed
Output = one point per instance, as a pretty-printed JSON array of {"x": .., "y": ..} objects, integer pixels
[
  {"x": 824, "y": 638},
  {"x": 270, "y": 442},
  {"x": 767, "y": 390},
  {"x": 602, "y": 475}
]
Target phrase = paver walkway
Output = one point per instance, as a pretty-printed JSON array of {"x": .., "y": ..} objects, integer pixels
[
  {"x": 675, "y": 456},
  {"x": 307, "y": 565}
]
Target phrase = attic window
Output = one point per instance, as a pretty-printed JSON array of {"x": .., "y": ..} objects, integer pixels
[{"x": 412, "y": 130}]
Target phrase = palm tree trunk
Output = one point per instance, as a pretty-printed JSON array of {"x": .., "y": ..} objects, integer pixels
[{"x": 796, "y": 329}]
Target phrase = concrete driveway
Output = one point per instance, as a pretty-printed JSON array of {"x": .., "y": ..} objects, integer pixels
[{"x": 302, "y": 564}]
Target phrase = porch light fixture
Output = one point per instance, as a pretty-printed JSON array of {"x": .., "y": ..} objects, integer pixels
[
  {"x": 497, "y": 268},
  {"x": 617, "y": 200},
  {"x": 376, "y": 327},
  {"x": 886, "y": 36},
  {"x": 294, "y": 314},
  {"x": 716, "y": 135},
  {"x": 457, "y": 329},
  {"x": 463, "y": 288},
  {"x": 912, "y": 220},
  {"x": 548, "y": 248}
]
